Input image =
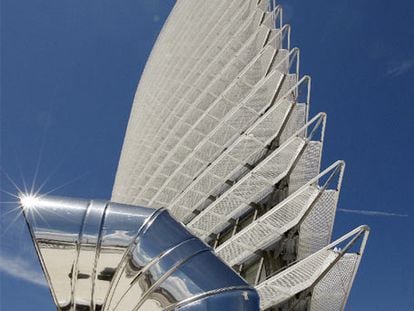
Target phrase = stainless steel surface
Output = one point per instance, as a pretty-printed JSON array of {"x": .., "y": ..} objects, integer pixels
[{"x": 100, "y": 255}]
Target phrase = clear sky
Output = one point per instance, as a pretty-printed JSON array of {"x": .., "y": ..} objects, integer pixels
[{"x": 69, "y": 69}]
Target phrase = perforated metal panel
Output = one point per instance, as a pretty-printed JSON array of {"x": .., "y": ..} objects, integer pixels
[
  {"x": 219, "y": 132},
  {"x": 251, "y": 188},
  {"x": 268, "y": 228},
  {"x": 295, "y": 279},
  {"x": 258, "y": 183},
  {"x": 248, "y": 148},
  {"x": 331, "y": 293},
  {"x": 172, "y": 54},
  {"x": 316, "y": 230},
  {"x": 220, "y": 68},
  {"x": 311, "y": 208},
  {"x": 189, "y": 135},
  {"x": 307, "y": 167},
  {"x": 219, "y": 135},
  {"x": 326, "y": 275}
]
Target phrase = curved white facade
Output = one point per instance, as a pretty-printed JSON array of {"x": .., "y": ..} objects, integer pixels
[{"x": 219, "y": 134}]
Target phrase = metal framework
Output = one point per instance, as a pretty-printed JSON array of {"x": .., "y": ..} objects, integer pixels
[
  {"x": 321, "y": 280},
  {"x": 219, "y": 136}
]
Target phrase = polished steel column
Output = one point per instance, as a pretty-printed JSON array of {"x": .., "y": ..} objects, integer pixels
[{"x": 99, "y": 255}]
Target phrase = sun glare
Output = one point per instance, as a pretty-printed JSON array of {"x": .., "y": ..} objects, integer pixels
[{"x": 28, "y": 200}]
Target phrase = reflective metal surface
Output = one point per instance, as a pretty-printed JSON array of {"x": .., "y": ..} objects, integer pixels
[{"x": 99, "y": 255}]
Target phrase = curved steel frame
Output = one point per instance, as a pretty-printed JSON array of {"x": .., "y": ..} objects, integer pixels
[{"x": 99, "y": 255}]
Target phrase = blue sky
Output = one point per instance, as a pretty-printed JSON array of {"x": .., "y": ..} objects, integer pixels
[{"x": 68, "y": 77}]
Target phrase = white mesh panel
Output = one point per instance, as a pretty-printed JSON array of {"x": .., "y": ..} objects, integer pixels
[
  {"x": 189, "y": 102},
  {"x": 315, "y": 231},
  {"x": 296, "y": 121},
  {"x": 331, "y": 293},
  {"x": 251, "y": 188},
  {"x": 268, "y": 228},
  {"x": 236, "y": 120},
  {"x": 246, "y": 149},
  {"x": 295, "y": 279},
  {"x": 307, "y": 167},
  {"x": 183, "y": 51}
]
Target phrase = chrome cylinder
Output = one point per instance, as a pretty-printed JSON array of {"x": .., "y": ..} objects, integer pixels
[{"x": 99, "y": 255}]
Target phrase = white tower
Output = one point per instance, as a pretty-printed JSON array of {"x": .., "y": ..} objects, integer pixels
[{"x": 219, "y": 134}]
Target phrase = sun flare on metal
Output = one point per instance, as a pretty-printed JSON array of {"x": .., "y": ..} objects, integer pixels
[{"x": 28, "y": 200}]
